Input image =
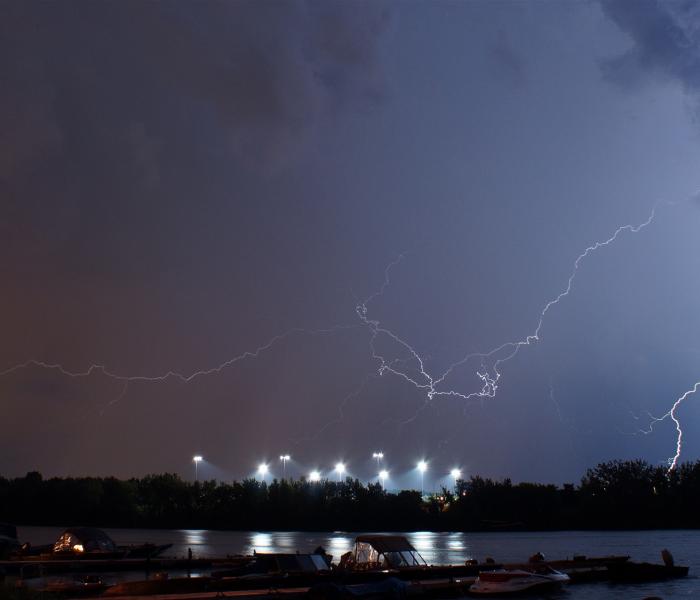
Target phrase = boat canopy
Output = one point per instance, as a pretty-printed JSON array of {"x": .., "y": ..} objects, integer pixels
[
  {"x": 84, "y": 539},
  {"x": 389, "y": 551}
]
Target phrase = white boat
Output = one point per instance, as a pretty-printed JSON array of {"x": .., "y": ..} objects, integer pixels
[{"x": 514, "y": 581}]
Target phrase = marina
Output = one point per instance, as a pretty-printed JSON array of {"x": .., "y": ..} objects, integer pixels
[{"x": 298, "y": 574}]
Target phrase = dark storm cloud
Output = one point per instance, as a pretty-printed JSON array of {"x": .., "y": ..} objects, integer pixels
[
  {"x": 105, "y": 104},
  {"x": 74, "y": 73},
  {"x": 666, "y": 42}
]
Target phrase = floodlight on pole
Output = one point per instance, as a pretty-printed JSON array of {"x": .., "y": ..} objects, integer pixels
[
  {"x": 422, "y": 466},
  {"x": 284, "y": 458},
  {"x": 383, "y": 476},
  {"x": 262, "y": 470},
  {"x": 456, "y": 474},
  {"x": 378, "y": 456},
  {"x": 196, "y": 460},
  {"x": 314, "y": 476},
  {"x": 339, "y": 469}
]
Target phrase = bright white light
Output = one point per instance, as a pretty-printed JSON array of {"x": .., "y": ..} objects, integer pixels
[
  {"x": 284, "y": 457},
  {"x": 197, "y": 458},
  {"x": 340, "y": 468},
  {"x": 422, "y": 466},
  {"x": 378, "y": 455},
  {"x": 314, "y": 476},
  {"x": 456, "y": 474},
  {"x": 262, "y": 470},
  {"x": 384, "y": 474}
]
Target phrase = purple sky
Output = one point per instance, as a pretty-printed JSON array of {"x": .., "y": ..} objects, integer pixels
[{"x": 181, "y": 182}]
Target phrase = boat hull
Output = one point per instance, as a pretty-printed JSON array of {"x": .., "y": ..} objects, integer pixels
[{"x": 515, "y": 582}]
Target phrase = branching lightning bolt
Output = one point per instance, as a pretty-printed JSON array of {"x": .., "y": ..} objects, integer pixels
[
  {"x": 671, "y": 414},
  {"x": 489, "y": 377},
  {"x": 489, "y": 372},
  {"x": 184, "y": 378}
]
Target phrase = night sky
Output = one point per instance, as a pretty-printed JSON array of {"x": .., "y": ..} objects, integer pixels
[{"x": 182, "y": 182}]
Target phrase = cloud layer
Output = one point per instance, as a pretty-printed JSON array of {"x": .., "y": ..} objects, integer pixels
[
  {"x": 665, "y": 43},
  {"x": 79, "y": 73}
]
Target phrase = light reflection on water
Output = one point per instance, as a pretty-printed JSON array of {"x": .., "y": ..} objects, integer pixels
[
  {"x": 260, "y": 542},
  {"x": 445, "y": 548},
  {"x": 194, "y": 537}
]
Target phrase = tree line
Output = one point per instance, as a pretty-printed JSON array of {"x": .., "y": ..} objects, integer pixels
[{"x": 612, "y": 495}]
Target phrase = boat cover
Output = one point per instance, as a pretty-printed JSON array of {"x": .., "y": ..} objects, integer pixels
[
  {"x": 84, "y": 539},
  {"x": 386, "y": 551},
  {"x": 386, "y": 543}
]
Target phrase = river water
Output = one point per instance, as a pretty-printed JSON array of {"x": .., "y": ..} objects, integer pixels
[{"x": 448, "y": 548}]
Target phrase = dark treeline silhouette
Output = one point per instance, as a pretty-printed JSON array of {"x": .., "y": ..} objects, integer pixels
[{"x": 613, "y": 495}]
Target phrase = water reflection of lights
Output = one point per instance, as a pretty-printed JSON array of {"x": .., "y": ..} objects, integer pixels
[
  {"x": 261, "y": 542},
  {"x": 339, "y": 545},
  {"x": 424, "y": 542},
  {"x": 286, "y": 541},
  {"x": 195, "y": 537}
]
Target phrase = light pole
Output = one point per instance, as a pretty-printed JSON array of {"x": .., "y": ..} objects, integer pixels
[
  {"x": 284, "y": 458},
  {"x": 422, "y": 467},
  {"x": 339, "y": 469},
  {"x": 456, "y": 475},
  {"x": 196, "y": 460},
  {"x": 383, "y": 476},
  {"x": 314, "y": 477},
  {"x": 262, "y": 470}
]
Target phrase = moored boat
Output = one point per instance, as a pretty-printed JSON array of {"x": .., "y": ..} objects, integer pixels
[
  {"x": 87, "y": 543},
  {"x": 381, "y": 552},
  {"x": 517, "y": 581}
]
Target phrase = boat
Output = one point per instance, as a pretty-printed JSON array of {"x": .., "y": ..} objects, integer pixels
[
  {"x": 382, "y": 552},
  {"x": 269, "y": 564},
  {"x": 517, "y": 581},
  {"x": 87, "y": 543}
]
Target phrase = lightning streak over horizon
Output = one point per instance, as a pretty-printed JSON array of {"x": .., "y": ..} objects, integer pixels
[
  {"x": 671, "y": 414},
  {"x": 97, "y": 368},
  {"x": 489, "y": 372},
  {"x": 489, "y": 377}
]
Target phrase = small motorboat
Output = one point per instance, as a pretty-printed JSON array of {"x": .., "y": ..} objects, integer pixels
[{"x": 517, "y": 581}]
